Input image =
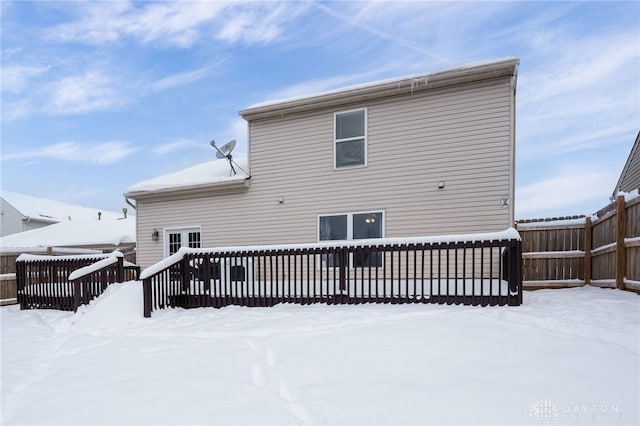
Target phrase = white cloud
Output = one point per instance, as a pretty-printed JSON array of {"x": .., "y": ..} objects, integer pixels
[
  {"x": 13, "y": 110},
  {"x": 179, "y": 145},
  {"x": 237, "y": 130},
  {"x": 581, "y": 64},
  {"x": 15, "y": 78},
  {"x": 579, "y": 141},
  {"x": 176, "y": 23},
  {"x": 259, "y": 23},
  {"x": 91, "y": 91},
  {"x": 570, "y": 187},
  {"x": 181, "y": 79},
  {"x": 98, "y": 153}
]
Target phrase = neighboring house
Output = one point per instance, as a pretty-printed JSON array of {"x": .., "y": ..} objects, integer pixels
[
  {"x": 420, "y": 155},
  {"x": 20, "y": 212},
  {"x": 630, "y": 176},
  {"x": 106, "y": 234}
]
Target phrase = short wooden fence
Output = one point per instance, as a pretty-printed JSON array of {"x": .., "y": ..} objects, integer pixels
[
  {"x": 572, "y": 252},
  {"x": 483, "y": 270},
  {"x": 67, "y": 282}
]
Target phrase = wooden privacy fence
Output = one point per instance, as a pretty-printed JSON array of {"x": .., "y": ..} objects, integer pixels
[
  {"x": 604, "y": 251},
  {"x": 66, "y": 282},
  {"x": 483, "y": 269}
]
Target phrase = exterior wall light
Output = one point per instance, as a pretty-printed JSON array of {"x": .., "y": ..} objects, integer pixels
[
  {"x": 504, "y": 202},
  {"x": 441, "y": 184},
  {"x": 155, "y": 236}
]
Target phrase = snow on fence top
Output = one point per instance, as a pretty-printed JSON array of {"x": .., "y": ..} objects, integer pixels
[
  {"x": 86, "y": 270},
  {"x": 26, "y": 257},
  {"x": 631, "y": 195},
  {"x": 552, "y": 223},
  {"x": 508, "y": 234}
]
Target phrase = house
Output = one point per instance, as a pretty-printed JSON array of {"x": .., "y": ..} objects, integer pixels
[
  {"x": 427, "y": 154},
  {"x": 20, "y": 212},
  {"x": 630, "y": 176},
  {"x": 106, "y": 234}
]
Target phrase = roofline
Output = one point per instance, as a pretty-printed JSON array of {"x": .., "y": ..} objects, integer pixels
[
  {"x": 191, "y": 189},
  {"x": 634, "y": 148},
  {"x": 39, "y": 219},
  {"x": 401, "y": 86}
]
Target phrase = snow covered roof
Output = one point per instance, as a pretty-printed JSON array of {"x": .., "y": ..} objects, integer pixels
[
  {"x": 75, "y": 233},
  {"x": 466, "y": 73},
  {"x": 201, "y": 175},
  {"x": 46, "y": 210}
]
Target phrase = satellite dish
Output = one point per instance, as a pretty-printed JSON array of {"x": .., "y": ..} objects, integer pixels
[{"x": 225, "y": 152}]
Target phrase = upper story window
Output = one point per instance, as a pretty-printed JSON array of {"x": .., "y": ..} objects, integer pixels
[{"x": 351, "y": 138}]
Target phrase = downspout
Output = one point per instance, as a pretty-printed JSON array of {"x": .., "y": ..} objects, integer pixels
[
  {"x": 126, "y": 200},
  {"x": 512, "y": 184}
]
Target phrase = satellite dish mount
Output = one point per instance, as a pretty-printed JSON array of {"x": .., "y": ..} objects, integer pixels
[{"x": 225, "y": 152}]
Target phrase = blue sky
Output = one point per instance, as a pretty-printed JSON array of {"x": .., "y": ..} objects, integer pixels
[{"x": 97, "y": 96}]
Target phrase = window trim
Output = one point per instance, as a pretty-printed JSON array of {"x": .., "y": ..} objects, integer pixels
[
  {"x": 365, "y": 137},
  {"x": 350, "y": 229},
  {"x": 350, "y": 222},
  {"x": 183, "y": 230}
]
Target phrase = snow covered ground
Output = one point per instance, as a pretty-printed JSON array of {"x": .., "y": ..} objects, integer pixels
[{"x": 565, "y": 357}]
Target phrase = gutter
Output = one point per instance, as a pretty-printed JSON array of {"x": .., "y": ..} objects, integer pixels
[
  {"x": 223, "y": 186},
  {"x": 28, "y": 219},
  {"x": 400, "y": 86}
]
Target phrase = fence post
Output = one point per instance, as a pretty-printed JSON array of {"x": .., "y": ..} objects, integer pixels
[
  {"x": 587, "y": 251},
  {"x": 146, "y": 297},
  {"x": 620, "y": 252}
]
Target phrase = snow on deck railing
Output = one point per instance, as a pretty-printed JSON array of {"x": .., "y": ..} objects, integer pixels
[
  {"x": 507, "y": 234},
  {"x": 387, "y": 270},
  {"x": 45, "y": 250},
  {"x": 97, "y": 266},
  {"x": 66, "y": 282},
  {"x": 26, "y": 257}
]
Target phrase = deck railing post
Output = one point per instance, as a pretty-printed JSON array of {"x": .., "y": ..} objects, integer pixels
[
  {"x": 514, "y": 272},
  {"x": 21, "y": 277},
  {"x": 342, "y": 265},
  {"x": 146, "y": 297},
  {"x": 120, "y": 270},
  {"x": 77, "y": 301},
  {"x": 185, "y": 272}
]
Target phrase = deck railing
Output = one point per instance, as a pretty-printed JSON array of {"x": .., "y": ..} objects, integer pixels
[
  {"x": 66, "y": 282},
  {"x": 481, "y": 269}
]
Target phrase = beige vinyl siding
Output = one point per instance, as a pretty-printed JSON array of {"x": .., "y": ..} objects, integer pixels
[
  {"x": 630, "y": 178},
  {"x": 460, "y": 135},
  {"x": 11, "y": 219}
]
